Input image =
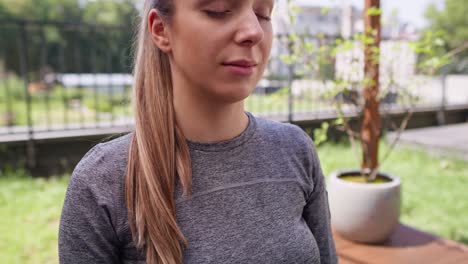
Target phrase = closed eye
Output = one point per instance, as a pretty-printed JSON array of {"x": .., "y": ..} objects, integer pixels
[
  {"x": 267, "y": 18},
  {"x": 217, "y": 14},
  {"x": 221, "y": 14}
]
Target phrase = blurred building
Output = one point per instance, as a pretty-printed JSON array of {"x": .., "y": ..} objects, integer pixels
[
  {"x": 397, "y": 58},
  {"x": 351, "y": 21},
  {"x": 312, "y": 20}
]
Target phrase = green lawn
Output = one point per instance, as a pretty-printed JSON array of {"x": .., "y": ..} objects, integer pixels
[
  {"x": 30, "y": 211},
  {"x": 433, "y": 189}
]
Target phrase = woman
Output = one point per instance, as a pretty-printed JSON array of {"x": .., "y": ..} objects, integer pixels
[{"x": 199, "y": 180}]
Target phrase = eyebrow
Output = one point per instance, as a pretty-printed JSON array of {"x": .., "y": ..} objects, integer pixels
[{"x": 205, "y": 2}]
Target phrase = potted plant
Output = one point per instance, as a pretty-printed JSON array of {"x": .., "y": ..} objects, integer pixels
[{"x": 365, "y": 203}]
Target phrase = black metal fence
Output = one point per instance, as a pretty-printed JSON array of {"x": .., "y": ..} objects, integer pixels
[{"x": 60, "y": 76}]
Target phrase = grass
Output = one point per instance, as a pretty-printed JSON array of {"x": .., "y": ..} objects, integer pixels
[
  {"x": 30, "y": 212},
  {"x": 433, "y": 200}
]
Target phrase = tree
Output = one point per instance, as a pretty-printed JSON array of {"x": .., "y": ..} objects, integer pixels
[
  {"x": 370, "y": 131},
  {"x": 450, "y": 22},
  {"x": 350, "y": 93},
  {"x": 111, "y": 46},
  {"x": 68, "y": 10}
]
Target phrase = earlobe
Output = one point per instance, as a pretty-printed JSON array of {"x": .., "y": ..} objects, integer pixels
[{"x": 157, "y": 29}]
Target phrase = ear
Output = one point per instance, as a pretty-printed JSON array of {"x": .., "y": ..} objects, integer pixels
[{"x": 158, "y": 31}]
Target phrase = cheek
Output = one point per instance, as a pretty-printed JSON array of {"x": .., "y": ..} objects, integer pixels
[
  {"x": 193, "y": 54},
  {"x": 265, "y": 48},
  {"x": 267, "y": 43},
  {"x": 197, "y": 48}
]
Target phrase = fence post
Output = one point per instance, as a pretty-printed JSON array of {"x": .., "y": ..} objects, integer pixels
[
  {"x": 443, "y": 103},
  {"x": 93, "y": 34},
  {"x": 24, "y": 62},
  {"x": 290, "y": 82}
]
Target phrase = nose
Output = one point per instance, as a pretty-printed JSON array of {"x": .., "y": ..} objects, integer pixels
[{"x": 250, "y": 32}]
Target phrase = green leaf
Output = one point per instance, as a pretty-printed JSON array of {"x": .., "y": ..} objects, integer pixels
[
  {"x": 339, "y": 121},
  {"x": 309, "y": 47},
  {"x": 324, "y": 10},
  {"x": 320, "y": 134},
  {"x": 373, "y": 11},
  {"x": 439, "y": 42},
  {"x": 293, "y": 37},
  {"x": 288, "y": 59},
  {"x": 296, "y": 9}
]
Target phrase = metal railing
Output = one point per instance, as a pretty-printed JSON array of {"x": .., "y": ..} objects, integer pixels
[{"x": 58, "y": 76}]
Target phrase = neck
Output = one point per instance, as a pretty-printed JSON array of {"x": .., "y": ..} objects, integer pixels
[{"x": 203, "y": 120}]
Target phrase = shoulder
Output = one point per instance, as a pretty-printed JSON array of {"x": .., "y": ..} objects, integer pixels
[
  {"x": 288, "y": 139},
  {"x": 94, "y": 199},
  {"x": 284, "y": 134},
  {"x": 100, "y": 173},
  {"x": 290, "y": 143},
  {"x": 104, "y": 160}
]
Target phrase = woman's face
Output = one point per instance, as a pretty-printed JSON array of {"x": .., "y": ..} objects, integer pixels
[{"x": 219, "y": 48}]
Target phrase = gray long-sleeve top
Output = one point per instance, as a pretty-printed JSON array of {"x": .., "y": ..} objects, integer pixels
[{"x": 257, "y": 198}]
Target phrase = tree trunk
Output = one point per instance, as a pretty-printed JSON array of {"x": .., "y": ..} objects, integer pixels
[{"x": 370, "y": 131}]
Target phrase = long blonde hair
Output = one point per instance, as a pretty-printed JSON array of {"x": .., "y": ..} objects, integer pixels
[{"x": 158, "y": 152}]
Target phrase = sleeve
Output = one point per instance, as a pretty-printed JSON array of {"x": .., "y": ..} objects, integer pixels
[
  {"x": 86, "y": 234},
  {"x": 316, "y": 211}
]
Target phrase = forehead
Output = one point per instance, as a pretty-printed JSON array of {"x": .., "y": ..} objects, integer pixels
[{"x": 206, "y": 2}]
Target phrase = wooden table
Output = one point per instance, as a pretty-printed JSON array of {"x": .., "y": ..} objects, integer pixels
[{"x": 406, "y": 245}]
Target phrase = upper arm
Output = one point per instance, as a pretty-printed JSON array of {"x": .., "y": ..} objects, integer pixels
[
  {"x": 316, "y": 211},
  {"x": 86, "y": 233}
]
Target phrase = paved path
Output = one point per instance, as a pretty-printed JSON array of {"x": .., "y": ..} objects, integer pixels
[{"x": 445, "y": 140}]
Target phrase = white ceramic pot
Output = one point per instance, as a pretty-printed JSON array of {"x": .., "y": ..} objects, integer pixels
[{"x": 362, "y": 212}]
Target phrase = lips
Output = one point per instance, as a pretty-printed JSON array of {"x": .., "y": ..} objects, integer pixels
[
  {"x": 240, "y": 67},
  {"x": 241, "y": 63}
]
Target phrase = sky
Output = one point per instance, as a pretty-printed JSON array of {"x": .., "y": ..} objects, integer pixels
[{"x": 411, "y": 11}]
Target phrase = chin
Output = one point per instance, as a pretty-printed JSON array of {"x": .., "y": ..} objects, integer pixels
[{"x": 233, "y": 94}]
